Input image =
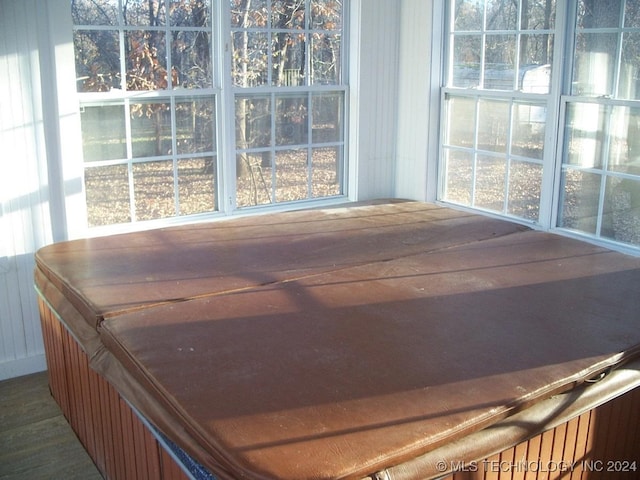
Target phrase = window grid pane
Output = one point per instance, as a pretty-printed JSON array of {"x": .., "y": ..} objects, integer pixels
[
  {"x": 600, "y": 183},
  {"x": 496, "y": 45},
  {"x": 145, "y": 69},
  {"x": 487, "y": 143},
  {"x": 601, "y": 171},
  {"x": 495, "y": 101},
  {"x": 288, "y": 128},
  {"x": 145, "y": 83},
  {"x": 289, "y": 100},
  {"x": 607, "y": 49}
]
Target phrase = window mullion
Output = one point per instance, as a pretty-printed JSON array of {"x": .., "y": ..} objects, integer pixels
[
  {"x": 129, "y": 146},
  {"x": 227, "y": 149},
  {"x": 563, "y": 64},
  {"x": 269, "y": 34},
  {"x": 174, "y": 149},
  {"x": 601, "y": 201},
  {"x": 617, "y": 72},
  {"x": 308, "y": 80},
  {"x": 310, "y": 141},
  {"x": 507, "y": 183},
  {"x": 483, "y": 48},
  {"x": 474, "y": 169},
  {"x": 274, "y": 151}
]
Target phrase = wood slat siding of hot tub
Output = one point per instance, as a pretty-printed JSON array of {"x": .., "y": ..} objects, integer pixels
[
  {"x": 600, "y": 444},
  {"x": 121, "y": 446},
  {"x": 116, "y": 439}
]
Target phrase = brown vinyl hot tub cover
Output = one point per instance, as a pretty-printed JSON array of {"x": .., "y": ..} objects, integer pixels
[{"x": 338, "y": 342}]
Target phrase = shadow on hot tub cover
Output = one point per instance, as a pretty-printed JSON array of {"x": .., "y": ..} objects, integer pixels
[
  {"x": 339, "y": 342},
  {"x": 346, "y": 372}
]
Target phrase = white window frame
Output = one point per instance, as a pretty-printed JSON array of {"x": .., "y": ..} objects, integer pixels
[
  {"x": 67, "y": 162},
  {"x": 565, "y": 100},
  {"x": 548, "y": 159},
  {"x": 558, "y": 98},
  {"x": 230, "y": 92}
]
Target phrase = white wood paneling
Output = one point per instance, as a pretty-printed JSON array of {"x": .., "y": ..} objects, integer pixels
[
  {"x": 416, "y": 108},
  {"x": 25, "y": 218},
  {"x": 375, "y": 84},
  {"x": 396, "y": 113}
]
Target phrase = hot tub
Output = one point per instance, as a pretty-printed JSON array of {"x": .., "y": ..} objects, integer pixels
[{"x": 388, "y": 339}]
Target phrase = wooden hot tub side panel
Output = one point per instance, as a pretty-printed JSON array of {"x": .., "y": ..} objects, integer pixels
[
  {"x": 599, "y": 444},
  {"x": 116, "y": 439}
]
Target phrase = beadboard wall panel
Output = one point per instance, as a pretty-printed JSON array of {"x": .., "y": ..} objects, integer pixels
[
  {"x": 377, "y": 91},
  {"x": 24, "y": 214},
  {"x": 415, "y": 109}
]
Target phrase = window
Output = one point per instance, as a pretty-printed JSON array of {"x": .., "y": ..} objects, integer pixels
[
  {"x": 500, "y": 57},
  {"x": 504, "y": 93},
  {"x": 289, "y": 99},
  {"x": 194, "y": 106},
  {"x": 600, "y": 181}
]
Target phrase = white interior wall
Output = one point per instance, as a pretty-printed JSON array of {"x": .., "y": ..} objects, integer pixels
[
  {"x": 397, "y": 97},
  {"x": 374, "y": 83},
  {"x": 25, "y": 222},
  {"x": 418, "y": 100}
]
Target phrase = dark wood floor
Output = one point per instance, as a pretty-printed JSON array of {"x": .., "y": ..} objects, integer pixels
[{"x": 36, "y": 441}]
